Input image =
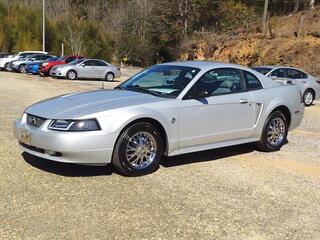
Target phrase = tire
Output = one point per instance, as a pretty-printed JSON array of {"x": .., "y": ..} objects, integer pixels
[
  {"x": 22, "y": 68},
  {"x": 129, "y": 156},
  {"x": 72, "y": 75},
  {"x": 273, "y": 138},
  {"x": 6, "y": 67},
  {"x": 308, "y": 98},
  {"x": 109, "y": 77}
]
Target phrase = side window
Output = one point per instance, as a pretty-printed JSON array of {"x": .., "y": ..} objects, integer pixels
[
  {"x": 252, "y": 82},
  {"x": 219, "y": 81},
  {"x": 89, "y": 63},
  {"x": 280, "y": 73},
  {"x": 293, "y": 74},
  {"x": 70, "y": 59},
  {"x": 100, "y": 63}
]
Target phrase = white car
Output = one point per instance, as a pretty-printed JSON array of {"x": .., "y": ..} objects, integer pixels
[
  {"x": 308, "y": 84},
  {"x": 167, "y": 109},
  {"x": 4, "y": 62},
  {"x": 86, "y": 68}
]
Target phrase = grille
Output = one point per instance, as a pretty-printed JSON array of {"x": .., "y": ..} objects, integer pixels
[{"x": 35, "y": 121}]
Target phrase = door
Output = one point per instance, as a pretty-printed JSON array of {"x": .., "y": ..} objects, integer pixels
[
  {"x": 227, "y": 113},
  {"x": 85, "y": 69},
  {"x": 100, "y": 68}
]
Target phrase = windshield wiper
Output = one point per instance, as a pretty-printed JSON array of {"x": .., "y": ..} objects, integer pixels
[{"x": 137, "y": 88}]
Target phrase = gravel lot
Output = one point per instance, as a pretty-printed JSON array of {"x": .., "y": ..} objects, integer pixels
[{"x": 229, "y": 193}]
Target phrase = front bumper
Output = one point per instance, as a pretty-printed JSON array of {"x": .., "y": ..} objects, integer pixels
[
  {"x": 57, "y": 73},
  {"x": 88, "y": 148}
]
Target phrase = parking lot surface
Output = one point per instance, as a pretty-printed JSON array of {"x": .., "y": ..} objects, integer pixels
[{"x": 229, "y": 193}]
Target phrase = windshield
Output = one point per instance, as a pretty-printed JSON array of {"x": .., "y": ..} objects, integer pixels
[
  {"x": 75, "y": 62},
  {"x": 262, "y": 70},
  {"x": 161, "y": 80}
]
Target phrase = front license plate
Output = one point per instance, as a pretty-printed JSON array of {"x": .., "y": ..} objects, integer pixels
[{"x": 25, "y": 137}]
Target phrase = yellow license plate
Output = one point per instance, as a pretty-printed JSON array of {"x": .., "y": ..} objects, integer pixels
[{"x": 25, "y": 137}]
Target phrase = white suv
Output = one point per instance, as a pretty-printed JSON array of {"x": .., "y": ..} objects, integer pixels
[{"x": 4, "y": 62}]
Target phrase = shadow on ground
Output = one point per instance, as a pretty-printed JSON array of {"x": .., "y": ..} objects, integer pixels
[
  {"x": 67, "y": 169},
  {"x": 74, "y": 170},
  {"x": 206, "y": 156}
]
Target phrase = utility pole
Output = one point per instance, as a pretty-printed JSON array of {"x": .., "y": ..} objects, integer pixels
[
  {"x": 264, "y": 17},
  {"x": 43, "y": 26}
]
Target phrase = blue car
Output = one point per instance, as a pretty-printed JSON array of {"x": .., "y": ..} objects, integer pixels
[{"x": 33, "y": 67}]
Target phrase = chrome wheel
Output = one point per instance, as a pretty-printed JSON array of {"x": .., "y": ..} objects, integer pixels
[
  {"x": 141, "y": 150},
  {"x": 308, "y": 98},
  {"x": 276, "y": 132}
]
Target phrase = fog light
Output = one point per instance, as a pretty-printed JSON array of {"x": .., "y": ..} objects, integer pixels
[{"x": 54, "y": 153}]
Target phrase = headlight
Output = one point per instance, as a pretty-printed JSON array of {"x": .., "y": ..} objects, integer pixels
[
  {"x": 75, "y": 125},
  {"x": 45, "y": 64}
]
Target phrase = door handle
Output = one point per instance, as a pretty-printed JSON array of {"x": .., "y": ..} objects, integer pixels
[{"x": 243, "y": 101}]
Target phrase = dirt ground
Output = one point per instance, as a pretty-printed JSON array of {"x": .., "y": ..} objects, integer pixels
[{"x": 229, "y": 193}]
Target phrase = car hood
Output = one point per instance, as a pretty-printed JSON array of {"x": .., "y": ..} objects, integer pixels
[{"x": 77, "y": 105}]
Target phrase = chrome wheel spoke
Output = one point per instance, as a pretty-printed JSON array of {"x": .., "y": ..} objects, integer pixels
[
  {"x": 276, "y": 131},
  {"x": 141, "y": 150}
]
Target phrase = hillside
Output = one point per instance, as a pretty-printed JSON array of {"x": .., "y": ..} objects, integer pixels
[{"x": 283, "y": 48}]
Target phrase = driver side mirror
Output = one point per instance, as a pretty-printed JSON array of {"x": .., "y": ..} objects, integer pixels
[
  {"x": 199, "y": 95},
  {"x": 82, "y": 65},
  {"x": 33, "y": 59},
  {"x": 274, "y": 77}
]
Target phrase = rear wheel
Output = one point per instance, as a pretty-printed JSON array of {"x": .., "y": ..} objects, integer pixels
[
  {"x": 308, "y": 98},
  {"x": 72, "y": 75},
  {"x": 138, "y": 150},
  {"x": 109, "y": 77},
  {"x": 22, "y": 68},
  {"x": 274, "y": 133}
]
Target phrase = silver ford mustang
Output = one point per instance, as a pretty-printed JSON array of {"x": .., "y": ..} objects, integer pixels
[{"x": 167, "y": 109}]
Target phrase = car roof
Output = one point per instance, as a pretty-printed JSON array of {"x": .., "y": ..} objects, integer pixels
[
  {"x": 204, "y": 65},
  {"x": 272, "y": 67}
]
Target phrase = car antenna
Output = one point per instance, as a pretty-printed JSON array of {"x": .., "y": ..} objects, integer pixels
[{"x": 102, "y": 86}]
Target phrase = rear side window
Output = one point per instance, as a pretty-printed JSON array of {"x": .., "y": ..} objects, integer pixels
[
  {"x": 294, "y": 74},
  {"x": 252, "y": 82}
]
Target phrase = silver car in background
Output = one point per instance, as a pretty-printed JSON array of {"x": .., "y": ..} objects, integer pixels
[
  {"x": 308, "y": 84},
  {"x": 167, "y": 109},
  {"x": 86, "y": 68}
]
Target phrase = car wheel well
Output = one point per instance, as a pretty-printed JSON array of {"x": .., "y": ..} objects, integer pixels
[
  {"x": 286, "y": 112},
  {"x": 311, "y": 90},
  {"x": 154, "y": 123}
]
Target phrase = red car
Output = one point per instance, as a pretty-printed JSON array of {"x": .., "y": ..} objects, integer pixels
[{"x": 45, "y": 68}]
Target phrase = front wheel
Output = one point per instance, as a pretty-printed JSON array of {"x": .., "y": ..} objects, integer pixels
[
  {"x": 6, "y": 67},
  {"x": 138, "y": 150},
  {"x": 274, "y": 133},
  {"x": 71, "y": 75},
  {"x": 308, "y": 98}
]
